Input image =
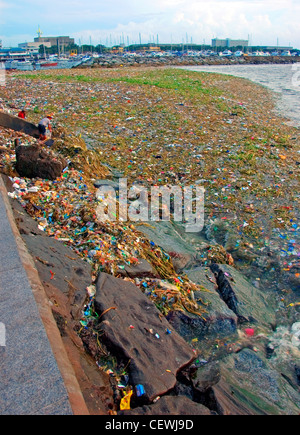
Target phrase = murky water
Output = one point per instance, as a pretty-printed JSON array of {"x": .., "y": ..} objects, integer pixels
[{"x": 282, "y": 79}]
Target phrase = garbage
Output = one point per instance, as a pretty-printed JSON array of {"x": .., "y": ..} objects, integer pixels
[
  {"x": 163, "y": 138},
  {"x": 140, "y": 391},
  {"x": 249, "y": 331},
  {"x": 173, "y": 130},
  {"x": 125, "y": 401}
]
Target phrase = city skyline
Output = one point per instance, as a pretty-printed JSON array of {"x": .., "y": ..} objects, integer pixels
[{"x": 262, "y": 22}]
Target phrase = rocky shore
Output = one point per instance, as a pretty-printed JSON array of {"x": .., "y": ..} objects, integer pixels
[
  {"x": 114, "y": 61},
  {"x": 154, "y": 320}
]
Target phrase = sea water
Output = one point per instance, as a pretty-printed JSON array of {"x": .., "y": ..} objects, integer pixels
[{"x": 284, "y": 80}]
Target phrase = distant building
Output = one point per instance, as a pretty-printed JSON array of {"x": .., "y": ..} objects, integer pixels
[
  {"x": 48, "y": 41},
  {"x": 33, "y": 47},
  {"x": 13, "y": 53},
  {"x": 229, "y": 43},
  {"x": 55, "y": 41},
  {"x": 0, "y": 44}
]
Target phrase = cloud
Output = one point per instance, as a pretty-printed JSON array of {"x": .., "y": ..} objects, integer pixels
[
  {"x": 263, "y": 21},
  {"x": 3, "y": 6}
]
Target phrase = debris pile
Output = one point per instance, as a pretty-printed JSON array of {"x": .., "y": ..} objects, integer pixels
[{"x": 161, "y": 127}]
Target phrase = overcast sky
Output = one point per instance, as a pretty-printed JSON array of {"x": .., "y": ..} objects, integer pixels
[{"x": 109, "y": 22}]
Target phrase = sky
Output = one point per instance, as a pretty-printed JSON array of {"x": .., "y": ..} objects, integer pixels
[{"x": 110, "y": 22}]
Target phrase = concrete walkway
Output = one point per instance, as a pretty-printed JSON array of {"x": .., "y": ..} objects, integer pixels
[{"x": 36, "y": 377}]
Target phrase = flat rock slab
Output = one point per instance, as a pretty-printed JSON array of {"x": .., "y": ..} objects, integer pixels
[
  {"x": 59, "y": 267},
  {"x": 129, "y": 332},
  {"x": 218, "y": 322},
  {"x": 260, "y": 389}
]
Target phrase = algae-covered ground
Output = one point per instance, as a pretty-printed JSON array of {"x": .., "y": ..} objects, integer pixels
[{"x": 164, "y": 126}]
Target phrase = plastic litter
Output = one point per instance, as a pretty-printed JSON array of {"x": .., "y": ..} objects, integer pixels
[
  {"x": 125, "y": 401},
  {"x": 140, "y": 391}
]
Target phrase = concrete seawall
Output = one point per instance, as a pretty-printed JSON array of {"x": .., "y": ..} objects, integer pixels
[
  {"x": 36, "y": 376},
  {"x": 18, "y": 124}
]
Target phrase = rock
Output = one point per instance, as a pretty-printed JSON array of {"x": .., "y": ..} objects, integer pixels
[
  {"x": 134, "y": 331},
  {"x": 141, "y": 270},
  {"x": 182, "y": 249},
  {"x": 170, "y": 405},
  {"x": 206, "y": 376},
  {"x": 250, "y": 386},
  {"x": 35, "y": 162},
  {"x": 64, "y": 275},
  {"x": 165, "y": 235},
  {"x": 109, "y": 183},
  {"x": 246, "y": 301},
  {"x": 180, "y": 261},
  {"x": 217, "y": 232},
  {"x": 218, "y": 322}
]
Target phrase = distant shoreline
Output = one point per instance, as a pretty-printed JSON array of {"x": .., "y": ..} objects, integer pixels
[{"x": 115, "y": 61}]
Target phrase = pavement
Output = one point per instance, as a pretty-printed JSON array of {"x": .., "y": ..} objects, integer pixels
[{"x": 36, "y": 377}]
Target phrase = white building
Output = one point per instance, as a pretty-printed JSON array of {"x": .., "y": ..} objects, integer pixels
[
  {"x": 33, "y": 47},
  {"x": 229, "y": 43}
]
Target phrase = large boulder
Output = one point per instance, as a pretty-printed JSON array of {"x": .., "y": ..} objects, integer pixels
[
  {"x": 36, "y": 162},
  {"x": 219, "y": 322},
  {"x": 249, "y": 303},
  {"x": 135, "y": 332}
]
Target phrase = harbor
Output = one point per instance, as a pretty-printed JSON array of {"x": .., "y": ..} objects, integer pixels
[{"x": 61, "y": 52}]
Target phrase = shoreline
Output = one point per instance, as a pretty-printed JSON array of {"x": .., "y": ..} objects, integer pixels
[
  {"x": 212, "y": 210},
  {"x": 116, "y": 61},
  {"x": 285, "y": 91}
]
